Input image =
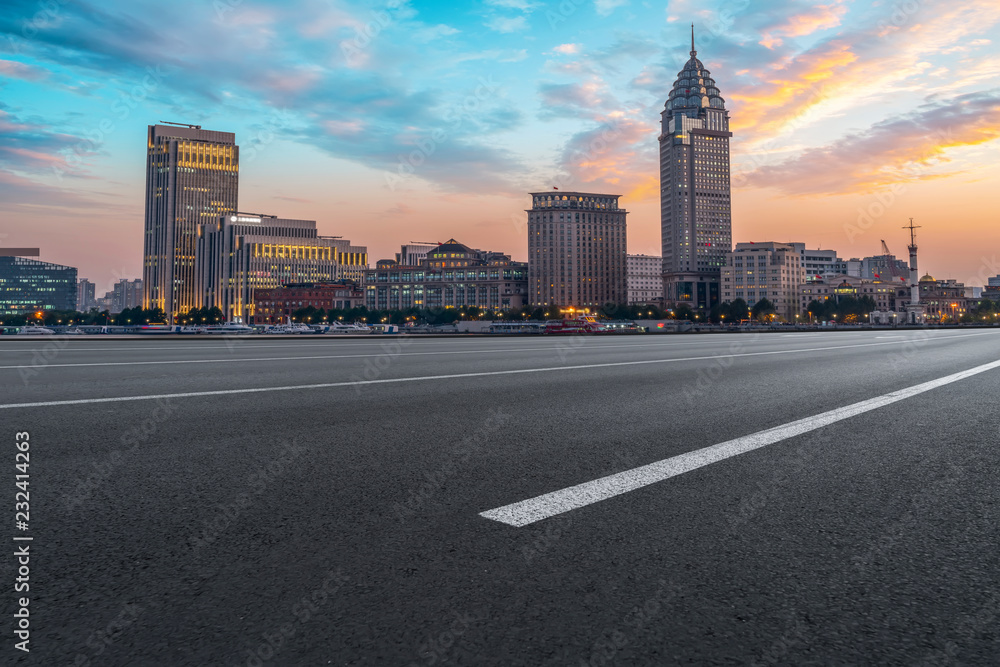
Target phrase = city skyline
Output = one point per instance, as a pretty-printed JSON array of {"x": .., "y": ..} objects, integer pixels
[{"x": 827, "y": 102}]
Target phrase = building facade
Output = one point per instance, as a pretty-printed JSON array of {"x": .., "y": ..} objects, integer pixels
[
  {"x": 821, "y": 264},
  {"x": 452, "y": 276},
  {"x": 772, "y": 271},
  {"x": 576, "y": 249},
  {"x": 126, "y": 294},
  {"x": 644, "y": 277},
  {"x": 86, "y": 295},
  {"x": 695, "y": 198},
  {"x": 275, "y": 306},
  {"x": 411, "y": 254},
  {"x": 944, "y": 300},
  {"x": 888, "y": 297},
  {"x": 884, "y": 267},
  {"x": 192, "y": 178},
  {"x": 28, "y": 285},
  {"x": 238, "y": 254}
]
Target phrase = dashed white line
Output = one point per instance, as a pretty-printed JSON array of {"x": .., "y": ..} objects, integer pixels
[{"x": 557, "y": 502}]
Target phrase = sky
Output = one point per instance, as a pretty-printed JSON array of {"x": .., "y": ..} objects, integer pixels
[{"x": 399, "y": 121}]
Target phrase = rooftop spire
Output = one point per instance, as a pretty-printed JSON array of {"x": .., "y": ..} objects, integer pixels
[{"x": 693, "y": 52}]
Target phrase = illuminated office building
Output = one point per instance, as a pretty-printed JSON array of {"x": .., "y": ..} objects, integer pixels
[
  {"x": 238, "y": 254},
  {"x": 192, "y": 178}
]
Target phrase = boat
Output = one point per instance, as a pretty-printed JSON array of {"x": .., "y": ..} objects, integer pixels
[
  {"x": 234, "y": 327},
  {"x": 191, "y": 329},
  {"x": 341, "y": 328},
  {"x": 35, "y": 330},
  {"x": 574, "y": 325},
  {"x": 290, "y": 327}
]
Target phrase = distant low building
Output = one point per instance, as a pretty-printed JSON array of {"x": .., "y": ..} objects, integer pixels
[
  {"x": 452, "y": 275},
  {"x": 766, "y": 270},
  {"x": 888, "y": 297},
  {"x": 29, "y": 285},
  {"x": 644, "y": 277},
  {"x": 992, "y": 289},
  {"x": 944, "y": 299},
  {"x": 274, "y": 306}
]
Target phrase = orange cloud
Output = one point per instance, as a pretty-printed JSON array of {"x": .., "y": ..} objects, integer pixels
[
  {"x": 804, "y": 83},
  {"x": 911, "y": 148}
]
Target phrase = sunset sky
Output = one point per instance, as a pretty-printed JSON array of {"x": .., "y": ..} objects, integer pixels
[{"x": 390, "y": 122}]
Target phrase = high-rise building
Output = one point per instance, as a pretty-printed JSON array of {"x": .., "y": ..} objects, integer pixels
[
  {"x": 192, "y": 177},
  {"x": 576, "y": 249},
  {"x": 644, "y": 276},
  {"x": 452, "y": 275},
  {"x": 126, "y": 294},
  {"x": 86, "y": 296},
  {"x": 695, "y": 204},
  {"x": 769, "y": 270},
  {"x": 29, "y": 285},
  {"x": 240, "y": 253}
]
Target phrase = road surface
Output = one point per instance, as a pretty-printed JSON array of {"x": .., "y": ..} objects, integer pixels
[{"x": 809, "y": 498}]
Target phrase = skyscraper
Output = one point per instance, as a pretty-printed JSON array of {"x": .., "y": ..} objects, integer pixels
[
  {"x": 192, "y": 177},
  {"x": 695, "y": 209},
  {"x": 576, "y": 249}
]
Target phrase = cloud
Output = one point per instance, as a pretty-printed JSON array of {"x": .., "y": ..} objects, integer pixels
[
  {"x": 605, "y": 7},
  {"x": 522, "y": 5},
  {"x": 819, "y": 17},
  {"x": 504, "y": 24},
  {"x": 567, "y": 49},
  {"x": 575, "y": 100},
  {"x": 18, "y": 70},
  {"x": 910, "y": 148}
]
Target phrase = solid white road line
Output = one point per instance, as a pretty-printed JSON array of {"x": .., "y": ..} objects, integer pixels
[
  {"x": 550, "y": 348},
  {"x": 548, "y": 505},
  {"x": 452, "y": 376}
]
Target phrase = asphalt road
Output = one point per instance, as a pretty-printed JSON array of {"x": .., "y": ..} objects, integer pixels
[{"x": 320, "y": 501}]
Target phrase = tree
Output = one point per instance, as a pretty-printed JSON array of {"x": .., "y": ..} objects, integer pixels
[{"x": 762, "y": 310}]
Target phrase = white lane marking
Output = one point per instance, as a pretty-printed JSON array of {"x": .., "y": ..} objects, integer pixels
[
  {"x": 574, "y": 497},
  {"x": 182, "y": 345},
  {"x": 452, "y": 376},
  {"x": 231, "y": 360}
]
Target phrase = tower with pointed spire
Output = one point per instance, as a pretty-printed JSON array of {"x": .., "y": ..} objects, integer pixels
[{"x": 695, "y": 207}]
